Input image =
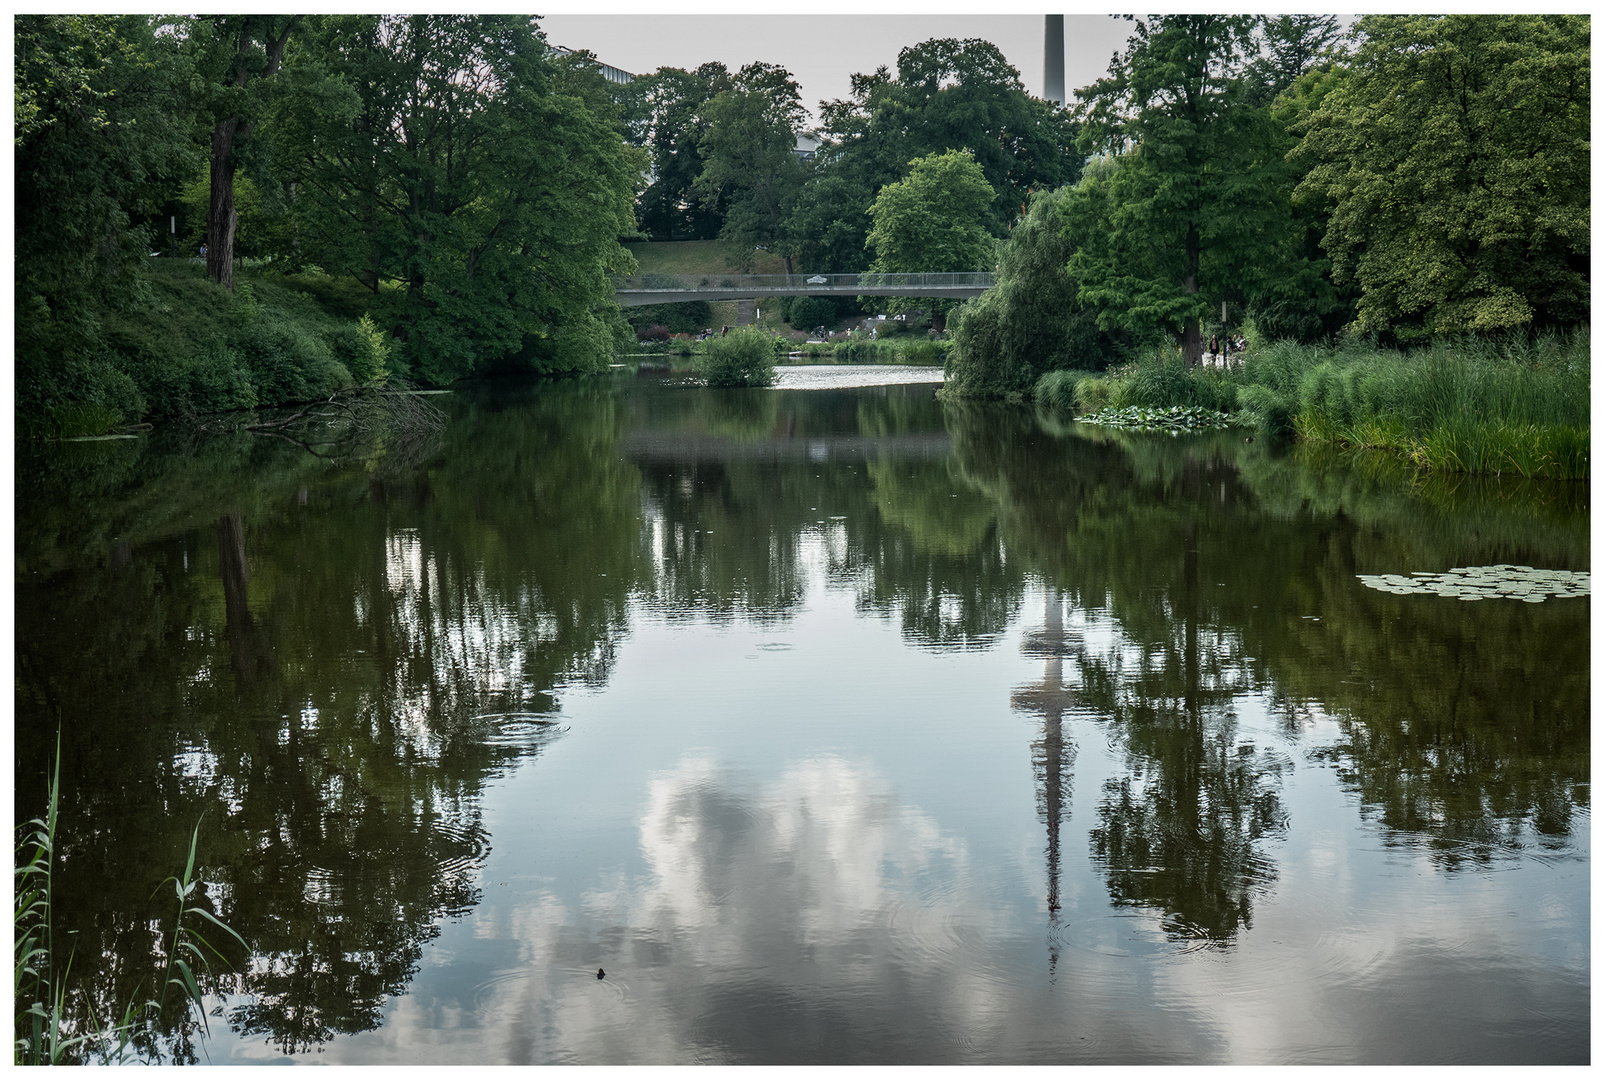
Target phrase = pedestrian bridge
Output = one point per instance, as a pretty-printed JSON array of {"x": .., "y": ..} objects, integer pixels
[{"x": 673, "y": 288}]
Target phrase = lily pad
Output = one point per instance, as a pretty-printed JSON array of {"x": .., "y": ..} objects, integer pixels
[{"x": 1501, "y": 581}]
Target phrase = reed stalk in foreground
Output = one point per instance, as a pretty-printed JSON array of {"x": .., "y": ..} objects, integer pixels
[{"x": 44, "y": 1036}]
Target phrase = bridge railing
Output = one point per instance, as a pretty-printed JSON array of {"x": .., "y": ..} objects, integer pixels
[{"x": 864, "y": 284}]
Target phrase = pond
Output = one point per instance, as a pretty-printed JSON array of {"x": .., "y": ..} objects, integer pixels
[{"x": 624, "y": 721}]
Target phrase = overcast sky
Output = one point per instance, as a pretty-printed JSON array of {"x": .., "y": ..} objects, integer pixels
[{"x": 822, "y": 50}]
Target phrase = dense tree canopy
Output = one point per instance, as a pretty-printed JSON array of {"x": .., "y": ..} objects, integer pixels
[
  {"x": 947, "y": 94},
  {"x": 483, "y": 181},
  {"x": 750, "y": 164},
  {"x": 1456, "y": 158},
  {"x": 100, "y": 141},
  {"x": 932, "y": 222},
  {"x": 667, "y": 111},
  {"x": 1198, "y": 201}
]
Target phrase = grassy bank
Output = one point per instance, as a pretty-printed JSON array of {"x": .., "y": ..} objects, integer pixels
[
  {"x": 192, "y": 348},
  {"x": 1518, "y": 407}
]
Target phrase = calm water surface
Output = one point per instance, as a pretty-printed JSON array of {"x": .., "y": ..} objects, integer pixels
[{"x": 834, "y": 725}]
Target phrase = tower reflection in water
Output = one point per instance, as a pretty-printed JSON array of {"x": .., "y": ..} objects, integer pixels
[{"x": 1052, "y": 755}]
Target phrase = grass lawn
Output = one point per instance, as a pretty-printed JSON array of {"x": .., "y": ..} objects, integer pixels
[{"x": 696, "y": 257}]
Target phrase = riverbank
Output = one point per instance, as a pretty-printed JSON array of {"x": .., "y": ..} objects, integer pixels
[
  {"x": 191, "y": 348},
  {"x": 1518, "y": 407}
]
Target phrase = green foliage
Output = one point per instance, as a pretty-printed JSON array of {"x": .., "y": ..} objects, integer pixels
[
  {"x": 667, "y": 111},
  {"x": 1197, "y": 207},
  {"x": 453, "y": 158},
  {"x": 932, "y": 222},
  {"x": 1064, "y": 388},
  {"x": 688, "y": 318},
  {"x": 946, "y": 95},
  {"x": 744, "y": 357},
  {"x": 861, "y": 350},
  {"x": 1455, "y": 155},
  {"x": 43, "y": 1034},
  {"x": 749, "y": 162},
  {"x": 102, "y": 131},
  {"x": 1030, "y": 321},
  {"x": 363, "y": 348},
  {"x": 1517, "y": 406},
  {"x": 1164, "y": 381},
  {"x": 807, "y": 312},
  {"x": 1166, "y": 418}
]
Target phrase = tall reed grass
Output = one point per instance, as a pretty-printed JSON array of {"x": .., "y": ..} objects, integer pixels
[
  {"x": 1515, "y": 406},
  {"x": 44, "y": 1035}
]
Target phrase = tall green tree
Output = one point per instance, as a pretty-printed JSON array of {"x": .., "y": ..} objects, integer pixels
[
  {"x": 474, "y": 183},
  {"x": 235, "y": 55},
  {"x": 669, "y": 110},
  {"x": 750, "y": 163},
  {"x": 1197, "y": 206},
  {"x": 947, "y": 94},
  {"x": 933, "y": 222},
  {"x": 1456, "y": 158},
  {"x": 1290, "y": 45}
]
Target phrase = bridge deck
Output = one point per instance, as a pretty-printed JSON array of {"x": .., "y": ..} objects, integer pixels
[{"x": 673, "y": 288}]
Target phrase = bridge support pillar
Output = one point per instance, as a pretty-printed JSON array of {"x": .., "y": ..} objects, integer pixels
[{"x": 744, "y": 312}]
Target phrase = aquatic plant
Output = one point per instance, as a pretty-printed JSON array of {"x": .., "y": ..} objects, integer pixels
[
  {"x": 1177, "y": 417},
  {"x": 1503, "y": 581},
  {"x": 43, "y": 1035}
]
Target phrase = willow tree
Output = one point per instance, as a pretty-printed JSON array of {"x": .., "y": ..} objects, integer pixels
[{"x": 1198, "y": 204}]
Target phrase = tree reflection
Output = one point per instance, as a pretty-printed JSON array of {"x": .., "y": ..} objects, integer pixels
[{"x": 417, "y": 649}]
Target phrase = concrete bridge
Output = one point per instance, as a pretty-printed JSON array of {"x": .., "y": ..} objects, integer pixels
[{"x": 674, "y": 288}]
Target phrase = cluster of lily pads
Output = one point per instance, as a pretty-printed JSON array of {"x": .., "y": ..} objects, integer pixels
[
  {"x": 1175, "y": 418},
  {"x": 1503, "y": 581}
]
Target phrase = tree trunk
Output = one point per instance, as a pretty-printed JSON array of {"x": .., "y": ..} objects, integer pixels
[
  {"x": 220, "y": 216},
  {"x": 1192, "y": 343},
  {"x": 221, "y": 219}
]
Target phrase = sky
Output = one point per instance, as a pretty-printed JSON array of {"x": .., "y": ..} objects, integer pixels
[{"x": 823, "y": 50}]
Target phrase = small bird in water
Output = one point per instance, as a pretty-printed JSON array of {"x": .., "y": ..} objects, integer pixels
[{"x": 600, "y": 974}]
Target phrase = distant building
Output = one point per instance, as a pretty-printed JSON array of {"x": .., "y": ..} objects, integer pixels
[
  {"x": 806, "y": 146},
  {"x": 609, "y": 72}
]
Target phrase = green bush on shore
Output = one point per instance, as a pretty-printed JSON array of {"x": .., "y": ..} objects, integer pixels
[
  {"x": 744, "y": 357},
  {"x": 191, "y": 348}
]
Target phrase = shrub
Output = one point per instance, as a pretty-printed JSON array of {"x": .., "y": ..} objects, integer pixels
[
  {"x": 744, "y": 357},
  {"x": 1159, "y": 382},
  {"x": 683, "y": 318},
  {"x": 1030, "y": 322},
  {"x": 655, "y": 332},
  {"x": 363, "y": 348},
  {"x": 288, "y": 362},
  {"x": 807, "y": 312},
  {"x": 1092, "y": 395}
]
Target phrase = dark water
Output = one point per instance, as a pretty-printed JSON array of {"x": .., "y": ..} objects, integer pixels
[{"x": 834, "y": 725}]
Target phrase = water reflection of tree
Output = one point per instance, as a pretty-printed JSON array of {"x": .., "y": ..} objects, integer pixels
[
  {"x": 1233, "y": 570},
  {"x": 325, "y": 681},
  {"x": 730, "y": 534}
]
